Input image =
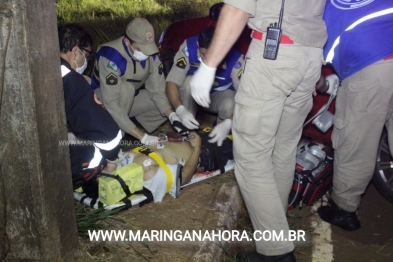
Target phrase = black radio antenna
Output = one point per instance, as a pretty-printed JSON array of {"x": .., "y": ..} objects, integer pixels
[{"x": 281, "y": 14}]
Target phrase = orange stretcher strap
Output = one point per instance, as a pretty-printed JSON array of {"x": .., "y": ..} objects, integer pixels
[{"x": 284, "y": 39}]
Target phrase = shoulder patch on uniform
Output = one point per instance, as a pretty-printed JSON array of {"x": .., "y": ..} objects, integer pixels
[
  {"x": 181, "y": 63},
  {"x": 240, "y": 73},
  {"x": 238, "y": 65},
  {"x": 111, "y": 79},
  {"x": 112, "y": 66},
  {"x": 185, "y": 51},
  {"x": 160, "y": 68}
]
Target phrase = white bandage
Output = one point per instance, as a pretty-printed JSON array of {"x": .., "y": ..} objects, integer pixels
[
  {"x": 128, "y": 159},
  {"x": 147, "y": 162}
]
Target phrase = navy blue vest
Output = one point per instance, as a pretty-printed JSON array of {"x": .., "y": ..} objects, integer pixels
[
  {"x": 223, "y": 75},
  {"x": 362, "y": 31}
]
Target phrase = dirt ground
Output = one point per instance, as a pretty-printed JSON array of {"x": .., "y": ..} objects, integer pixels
[
  {"x": 216, "y": 204},
  {"x": 189, "y": 212},
  {"x": 201, "y": 206},
  {"x": 209, "y": 205},
  {"x": 213, "y": 204},
  {"x": 374, "y": 240}
]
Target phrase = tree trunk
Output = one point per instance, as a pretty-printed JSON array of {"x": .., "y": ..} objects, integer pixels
[{"x": 37, "y": 214}]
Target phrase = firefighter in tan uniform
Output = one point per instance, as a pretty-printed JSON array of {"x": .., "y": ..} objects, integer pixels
[
  {"x": 222, "y": 94},
  {"x": 122, "y": 66},
  {"x": 272, "y": 102}
]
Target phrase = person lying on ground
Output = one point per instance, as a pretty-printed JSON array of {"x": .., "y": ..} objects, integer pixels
[{"x": 183, "y": 159}]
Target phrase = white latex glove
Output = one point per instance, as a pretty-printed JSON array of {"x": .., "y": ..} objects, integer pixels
[
  {"x": 174, "y": 117},
  {"x": 187, "y": 119},
  {"x": 150, "y": 140},
  {"x": 201, "y": 83},
  {"x": 220, "y": 132}
]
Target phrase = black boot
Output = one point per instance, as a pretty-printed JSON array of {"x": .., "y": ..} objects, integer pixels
[
  {"x": 254, "y": 256},
  {"x": 337, "y": 216}
]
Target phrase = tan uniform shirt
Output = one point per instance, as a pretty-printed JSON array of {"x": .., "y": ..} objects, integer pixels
[
  {"x": 302, "y": 20},
  {"x": 117, "y": 88},
  {"x": 181, "y": 66}
]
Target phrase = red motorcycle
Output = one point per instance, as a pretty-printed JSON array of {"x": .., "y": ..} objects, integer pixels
[
  {"x": 320, "y": 117},
  {"x": 383, "y": 172}
]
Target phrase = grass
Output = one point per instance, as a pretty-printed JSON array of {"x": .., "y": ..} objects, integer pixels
[
  {"x": 92, "y": 219},
  {"x": 104, "y": 10},
  {"x": 118, "y": 13},
  {"x": 106, "y": 20}
]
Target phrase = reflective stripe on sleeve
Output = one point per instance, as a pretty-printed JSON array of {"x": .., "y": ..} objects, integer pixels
[
  {"x": 110, "y": 145},
  {"x": 96, "y": 159},
  {"x": 330, "y": 55}
]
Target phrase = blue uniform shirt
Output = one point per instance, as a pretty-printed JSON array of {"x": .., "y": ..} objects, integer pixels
[{"x": 360, "y": 33}]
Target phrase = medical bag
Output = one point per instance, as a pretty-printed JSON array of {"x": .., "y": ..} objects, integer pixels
[
  {"x": 121, "y": 184},
  {"x": 313, "y": 174}
]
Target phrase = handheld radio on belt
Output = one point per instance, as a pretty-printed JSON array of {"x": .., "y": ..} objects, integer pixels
[{"x": 273, "y": 37}]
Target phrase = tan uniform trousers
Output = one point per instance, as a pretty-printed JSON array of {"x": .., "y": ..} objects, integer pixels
[
  {"x": 222, "y": 102},
  {"x": 272, "y": 103},
  {"x": 146, "y": 112},
  {"x": 364, "y": 104}
]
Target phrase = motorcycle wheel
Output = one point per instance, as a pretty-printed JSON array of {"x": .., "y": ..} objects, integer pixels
[{"x": 383, "y": 174}]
